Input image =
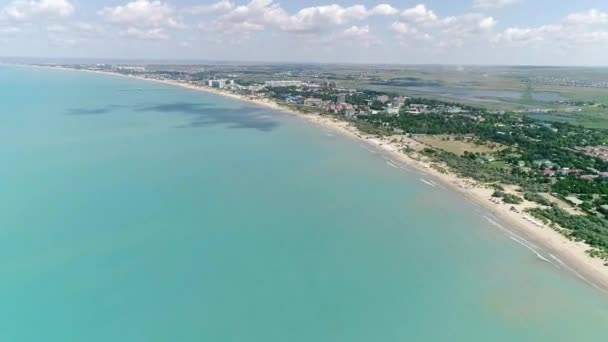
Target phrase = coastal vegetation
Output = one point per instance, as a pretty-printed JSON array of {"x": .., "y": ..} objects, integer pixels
[
  {"x": 536, "y": 156},
  {"x": 534, "y": 197},
  {"x": 588, "y": 228},
  {"x": 508, "y": 198},
  {"x": 496, "y": 148}
]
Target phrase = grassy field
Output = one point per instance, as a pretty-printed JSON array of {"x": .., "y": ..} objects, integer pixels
[
  {"x": 562, "y": 205},
  {"x": 448, "y": 144},
  {"x": 591, "y": 117}
]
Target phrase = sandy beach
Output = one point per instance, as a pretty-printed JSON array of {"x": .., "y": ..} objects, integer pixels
[{"x": 568, "y": 255}]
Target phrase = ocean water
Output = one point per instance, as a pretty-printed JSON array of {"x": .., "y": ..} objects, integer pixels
[{"x": 133, "y": 211}]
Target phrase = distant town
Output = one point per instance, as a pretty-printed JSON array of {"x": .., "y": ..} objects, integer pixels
[{"x": 322, "y": 95}]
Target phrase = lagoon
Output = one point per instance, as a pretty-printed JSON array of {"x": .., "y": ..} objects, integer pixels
[{"x": 486, "y": 94}]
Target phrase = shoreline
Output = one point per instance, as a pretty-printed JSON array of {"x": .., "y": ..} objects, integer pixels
[{"x": 563, "y": 253}]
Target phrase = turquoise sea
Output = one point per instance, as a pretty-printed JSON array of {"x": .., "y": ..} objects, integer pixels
[{"x": 133, "y": 211}]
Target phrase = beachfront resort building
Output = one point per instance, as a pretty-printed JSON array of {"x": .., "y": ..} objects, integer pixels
[
  {"x": 131, "y": 68},
  {"x": 271, "y": 84},
  {"x": 313, "y": 102},
  {"x": 221, "y": 84}
]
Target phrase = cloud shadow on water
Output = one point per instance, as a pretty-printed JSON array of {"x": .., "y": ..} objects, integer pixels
[
  {"x": 205, "y": 115},
  {"x": 93, "y": 111},
  {"x": 201, "y": 114}
]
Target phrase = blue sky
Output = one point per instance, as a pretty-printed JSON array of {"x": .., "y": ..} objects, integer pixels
[{"x": 547, "y": 32}]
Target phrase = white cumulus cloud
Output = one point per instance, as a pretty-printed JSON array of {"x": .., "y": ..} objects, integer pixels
[
  {"x": 260, "y": 14},
  {"x": 142, "y": 13},
  {"x": 9, "y": 30},
  {"x": 487, "y": 23},
  {"x": 590, "y": 17},
  {"x": 26, "y": 9},
  {"x": 527, "y": 35},
  {"x": 218, "y": 7},
  {"x": 320, "y": 17},
  {"x": 419, "y": 14},
  {"x": 575, "y": 30},
  {"x": 488, "y": 4},
  {"x": 420, "y": 23},
  {"x": 384, "y": 9},
  {"x": 157, "y": 33},
  {"x": 360, "y": 35}
]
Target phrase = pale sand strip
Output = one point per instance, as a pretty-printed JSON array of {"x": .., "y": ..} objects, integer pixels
[{"x": 572, "y": 254}]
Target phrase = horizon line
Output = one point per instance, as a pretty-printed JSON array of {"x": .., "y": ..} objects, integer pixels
[{"x": 184, "y": 61}]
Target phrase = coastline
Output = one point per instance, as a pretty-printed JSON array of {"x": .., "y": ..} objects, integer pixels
[{"x": 561, "y": 252}]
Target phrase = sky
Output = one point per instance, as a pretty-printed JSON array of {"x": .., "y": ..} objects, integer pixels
[{"x": 486, "y": 32}]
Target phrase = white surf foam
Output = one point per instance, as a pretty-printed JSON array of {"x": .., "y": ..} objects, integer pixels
[
  {"x": 368, "y": 149},
  {"x": 525, "y": 244},
  {"x": 437, "y": 185},
  {"x": 391, "y": 164},
  {"x": 580, "y": 276},
  {"x": 427, "y": 182}
]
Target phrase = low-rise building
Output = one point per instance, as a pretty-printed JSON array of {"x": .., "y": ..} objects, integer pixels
[
  {"x": 382, "y": 98},
  {"x": 574, "y": 200},
  {"x": 569, "y": 171},
  {"x": 399, "y": 101},
  {"x": 525, "y": 169},
  {"x": 453, "y": 110},
  {"x": 313, "y": 102},
  {"x": 337, "y": 107},
  {"x": 255, "y": 87},
  {"x": 283, "y": 83},
  {"x": 294, "y": 99},
  {"x": 488, "y": 158},
  {"x": 543, "y": 163},
  {"x": 131, "y": 68},
  {"x": 392, "y": 110},
  {"x": 350, "y": 113},
  {"x": 417, "y": 109}
]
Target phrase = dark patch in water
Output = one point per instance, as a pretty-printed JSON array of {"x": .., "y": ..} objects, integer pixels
[
  {"x": 93, "y": 111},
  {"x": 204, "y": 115},
  {"x": 177, "y": 107},
  {"x": 235, "y": 121}
]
